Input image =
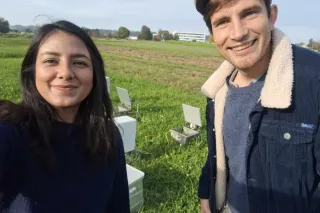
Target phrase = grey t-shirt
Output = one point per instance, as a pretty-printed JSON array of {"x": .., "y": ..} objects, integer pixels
[{"x": 239, "y": 103}]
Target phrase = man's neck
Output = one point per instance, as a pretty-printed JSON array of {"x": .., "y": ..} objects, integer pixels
[{"x": 244, "y": 77}]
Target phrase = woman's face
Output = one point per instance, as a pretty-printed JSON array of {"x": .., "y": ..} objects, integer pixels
[{"x": 64, "y": 71}]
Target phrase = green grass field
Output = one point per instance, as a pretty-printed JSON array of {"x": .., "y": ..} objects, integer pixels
[{"x": 160, "y": 76}]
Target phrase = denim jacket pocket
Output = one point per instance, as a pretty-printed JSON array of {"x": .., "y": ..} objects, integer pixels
[
  {"x": 287, "y": 143},
  {"x": 288, "y": 149}
]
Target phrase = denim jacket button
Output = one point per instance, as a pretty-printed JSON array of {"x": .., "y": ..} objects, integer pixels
[
  {"x": 287, "y": 136},
  {"x": 252, "y": 180}
]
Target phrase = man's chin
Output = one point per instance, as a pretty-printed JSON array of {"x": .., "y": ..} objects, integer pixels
[{"x": 243, "y": 65}]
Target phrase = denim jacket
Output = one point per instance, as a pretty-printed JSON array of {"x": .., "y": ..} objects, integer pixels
[{"x": 283, "y": 154}]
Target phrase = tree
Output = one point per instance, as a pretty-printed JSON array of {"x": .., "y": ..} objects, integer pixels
[
  {"x": 87, "y": 30},
  {"x": 115, "y": 35},
  {"x": 95, "y": 33},
  {"x": 170, "y": 36},
  {"x": 301, "y": 44},
  {"x": 176, "y": 37},
  {"x": 316, "y": 45},
  {"x": 163, "y": 34},
  {"x": 4, "y": 25},
  {"x": 156, "y": 38},
  {"x": 109, "y": 35},
  {"x": 28, "y": 30},
  {"x": 310, "y": 44},
  {"x": 145, "y": 33},
  {"x": 123, "y": 33}
]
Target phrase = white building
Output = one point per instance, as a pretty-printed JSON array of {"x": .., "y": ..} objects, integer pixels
[
  {"x": 133, "y": 38},
  {"x": 187, "y": 36}
]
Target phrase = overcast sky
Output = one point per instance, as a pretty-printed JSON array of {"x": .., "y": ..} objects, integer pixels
[{"x": 300, "y": 19}]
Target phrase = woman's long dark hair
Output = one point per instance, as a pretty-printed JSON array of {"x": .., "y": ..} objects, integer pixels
[{"x": 37, "y": 115}]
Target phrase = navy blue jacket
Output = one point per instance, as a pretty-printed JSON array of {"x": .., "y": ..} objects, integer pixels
[
  {"x": 283, "y": 154},
  {"x": 75, "y": 185}
]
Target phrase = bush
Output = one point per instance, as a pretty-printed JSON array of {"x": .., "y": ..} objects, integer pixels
[
  {"x": 123, "y": 33},
  {"x": 145, "y": 33}
]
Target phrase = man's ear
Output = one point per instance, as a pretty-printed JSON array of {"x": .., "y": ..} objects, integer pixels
[{"x": 273, "y": 15}]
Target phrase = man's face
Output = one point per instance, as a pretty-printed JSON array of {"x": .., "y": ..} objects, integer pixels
[{"x": 242, "y": 32}]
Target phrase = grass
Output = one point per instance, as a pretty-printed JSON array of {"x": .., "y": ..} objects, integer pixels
[
  {"x": 9, "y": 79},
  {"x": 13, "y": 47},
  {"x": 181, "y": 48},
  {"x": 159, "y": 87},
  {"x": 171, "y": 74},
  {"x": 171, "y": 171}
]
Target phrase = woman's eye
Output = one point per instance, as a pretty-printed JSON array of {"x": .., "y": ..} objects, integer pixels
[
  {"x": 81, "y": 63},
  {"x": 50, "y": 61}
]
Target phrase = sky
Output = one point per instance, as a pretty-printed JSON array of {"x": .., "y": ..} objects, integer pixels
[{"x": 299, "y": 19}]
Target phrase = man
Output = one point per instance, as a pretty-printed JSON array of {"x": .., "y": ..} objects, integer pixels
[{"x": 262, "y": 115}]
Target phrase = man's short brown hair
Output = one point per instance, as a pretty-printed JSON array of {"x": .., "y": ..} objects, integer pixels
[{"x": 213, "y": 6}]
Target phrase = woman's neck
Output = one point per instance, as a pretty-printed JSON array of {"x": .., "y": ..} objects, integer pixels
[{"x": 67, "y": 114}]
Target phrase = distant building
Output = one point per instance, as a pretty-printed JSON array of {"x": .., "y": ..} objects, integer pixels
[
  {"x": 133, "y": 38},
  {"x": 187, "y": 36}
]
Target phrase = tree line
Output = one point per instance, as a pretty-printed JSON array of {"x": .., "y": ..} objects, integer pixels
[
  {"x": 144, "y": 34},
  {"x": 4, "y": 25},
  {"x": 122, "y": 33},
  {"x": 312, "y": 44}
]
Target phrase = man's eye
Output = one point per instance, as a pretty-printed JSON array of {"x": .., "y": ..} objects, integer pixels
[
  {"x": 250, "y": 13},
  {"x": 221, "y": 23}
]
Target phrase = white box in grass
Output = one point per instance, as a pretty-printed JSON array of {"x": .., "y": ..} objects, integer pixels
[
  {"x": 127, "y": 127},
  {"x": 192, "y": 126},
  {"x": 135, "y": 182},
  {"x": 108, "y": 84}
]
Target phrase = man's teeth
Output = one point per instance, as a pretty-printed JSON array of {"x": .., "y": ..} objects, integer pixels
[{"x": 239, "y": 48}]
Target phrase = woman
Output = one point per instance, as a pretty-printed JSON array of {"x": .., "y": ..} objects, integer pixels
[{"x": 60, "y": 150}]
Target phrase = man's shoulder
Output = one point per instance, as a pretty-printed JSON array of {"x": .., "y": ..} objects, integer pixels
[
  {"x": 305, "y": 58},
  {"x": 306, "y": 65}
]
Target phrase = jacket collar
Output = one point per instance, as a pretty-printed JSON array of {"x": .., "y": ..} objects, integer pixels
[{"x": 277, "y": 89}]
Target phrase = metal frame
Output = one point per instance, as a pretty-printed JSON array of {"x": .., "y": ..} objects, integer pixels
[
  {"x": 126, "y": 103},
  {"x": 191, "y": 129}
]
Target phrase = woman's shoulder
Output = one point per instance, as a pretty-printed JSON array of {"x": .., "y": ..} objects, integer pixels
[
  {"x": 10, "y": 133},
  {"x": 11, "y": 151},
  {"x": 7, "y": 127}
]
